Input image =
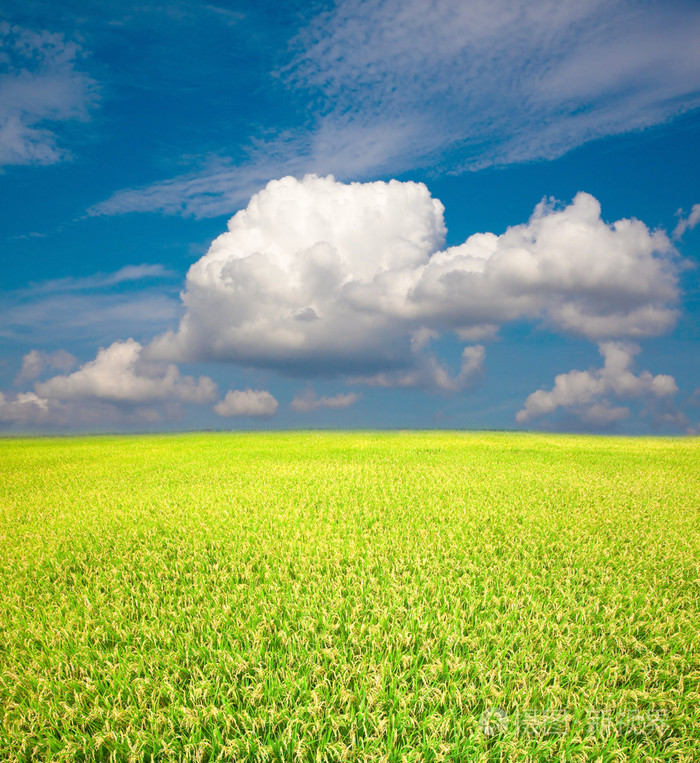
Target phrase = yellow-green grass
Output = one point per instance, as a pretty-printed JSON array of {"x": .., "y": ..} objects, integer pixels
[{"x": 349, "y": 596}]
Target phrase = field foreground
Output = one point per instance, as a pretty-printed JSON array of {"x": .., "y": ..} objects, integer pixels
[{"x": 349, "y": 596}]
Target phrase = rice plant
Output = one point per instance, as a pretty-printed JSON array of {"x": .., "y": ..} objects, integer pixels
[{"x": 431, "y": 596}]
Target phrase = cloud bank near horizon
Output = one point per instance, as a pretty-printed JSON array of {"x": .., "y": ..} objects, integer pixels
[
  {"x": 586, "y": 393},
  {"x": 319, "y": 278}
]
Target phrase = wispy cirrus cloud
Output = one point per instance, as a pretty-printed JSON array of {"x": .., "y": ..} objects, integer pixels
[
  {"x": 570, "y": 71},
  {"x": 217, "y": 190},
  {"x": 687, "y": 222},
  {"x": 457, "y": 87},
  {"x": 41, "y": 87},
  {"x": 96, "y": 308},
  {"x": 129, "y": 273},
  {"x": 309, "y": 401}
]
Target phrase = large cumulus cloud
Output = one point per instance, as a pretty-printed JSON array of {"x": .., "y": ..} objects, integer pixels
[
  {"x": 274, "y": 289},
  {"x": 318, "y": 276}
]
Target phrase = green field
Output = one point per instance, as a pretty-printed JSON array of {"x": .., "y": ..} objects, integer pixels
[{"x": 349, "y": 596}]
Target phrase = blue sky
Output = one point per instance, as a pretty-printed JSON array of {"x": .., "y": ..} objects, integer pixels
[{"x": 350, "y": 214}]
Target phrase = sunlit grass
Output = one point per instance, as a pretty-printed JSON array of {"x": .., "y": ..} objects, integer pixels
[{"x": 360, "y": 597}]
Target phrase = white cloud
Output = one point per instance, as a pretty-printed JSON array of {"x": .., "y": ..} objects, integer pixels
[
  {"x": 395, "y": 86},
  {"x": 271, "y": 291},
  {"x": 249, "y": 402},
  {"x": 316, "y": 276},
  {"x": 127, "y": 274},
  {"x": 565, "y": 72},
  {"x": 41, "y": 86},
  {"x": 36, "y": 361},
  {"x": 28, "y": 410},
  {"x": 26, "y": 407},
  {"x": 565, "y": 265},
  {"x": 215, "y": 190},
  {"x": 670, "y": 417},
  {"x": 602, "y": 414},
  {"x": 687, "y": 223},
  {"x": 585, "y": 392},
  {"x": 309, "y": 401},
  {"x": 429, "y": 373},
  {"x": 119, "y": 388},
  {"x": 120, "y": 375},
  {"x": 89, "y": 309}
]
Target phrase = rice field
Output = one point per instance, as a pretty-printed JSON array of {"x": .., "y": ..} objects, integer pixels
[{"x": 429, "y": 596}]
